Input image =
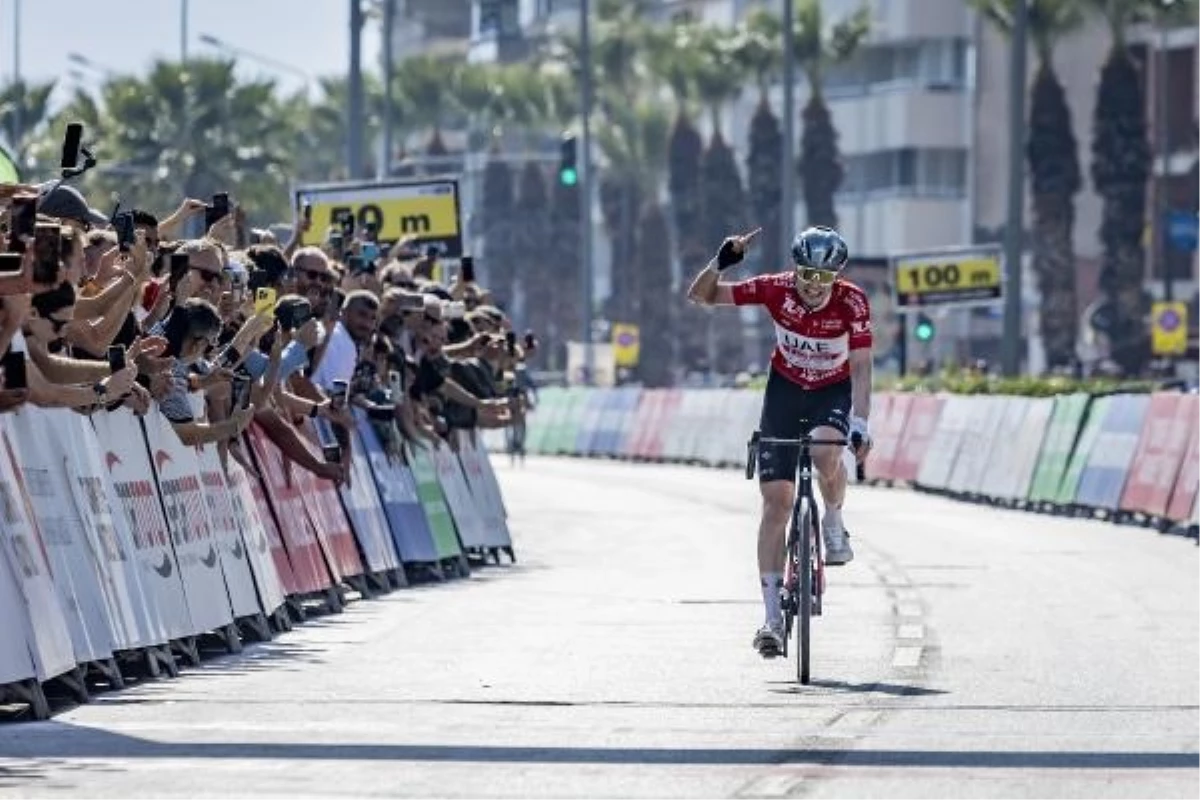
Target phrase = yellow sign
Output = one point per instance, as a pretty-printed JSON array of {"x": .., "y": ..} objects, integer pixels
[
  {"x": 1168, "y": 336},
  {"x": 626, "y": 344},
  {"x": 427, "y": 211},
  {"x": 959, "y": 277}
]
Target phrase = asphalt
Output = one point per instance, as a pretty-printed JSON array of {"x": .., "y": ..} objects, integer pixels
[{"x": 966, "y": 652}]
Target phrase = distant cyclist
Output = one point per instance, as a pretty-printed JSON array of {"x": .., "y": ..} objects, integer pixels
[{"x": 820, "y": 371}]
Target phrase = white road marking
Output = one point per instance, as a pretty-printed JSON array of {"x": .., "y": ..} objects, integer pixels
[{"x": 907, "y": 656}]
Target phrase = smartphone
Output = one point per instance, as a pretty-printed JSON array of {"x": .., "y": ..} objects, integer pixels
[
  {"x": 116, "y": 358},
  {"x": 14, "y": 370},
  {"x": 217, "y": 211},
  {"x": 72, "y": 141},
  {"x": 23, "y": 224},
  {"x": 396, "y": 385},
  {"x": 530, "y": 340},
  {"x": 337, "y": 242},
  {"x": 264, "y": 300},
  {"x": 451, "y": 274},
  {"x": 370, "y": 232},
  {"x": 10, "y": 263},
  {"x": 369, "y": 252},
  {"x": 510, "y": 339},
  {"x": 456, "y": 309},
  {"x": 307, "y": 212},
  {"x": 241, "y": 391},
  {"x": 332, "y": 453},
  {"x": 47, "y": 251},
  {"x": 356, "y": 265},
  {"x": 468, "y": 269},
  {"x": 151, "y": 292},
  {"x": 347, "y": 222},
  {"x": 126, "y": 233},
  {"x": 180, "y": 263},
  {"x": 341, "y": 392}
]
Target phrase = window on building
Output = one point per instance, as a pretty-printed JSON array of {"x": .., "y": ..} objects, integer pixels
[
  {"x": 500, "y": 17},
  {"x": 917, "y": 172}
]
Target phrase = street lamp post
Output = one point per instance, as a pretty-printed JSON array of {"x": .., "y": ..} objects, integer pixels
[
  {"x": 787, "y": 216},
  {"x": 1011, "y": 345},
  {"x": 241, "y": 52},
  {"x": 586, "y": 183}
]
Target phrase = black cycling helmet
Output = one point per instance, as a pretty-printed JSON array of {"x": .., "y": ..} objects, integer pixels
[{"x": 820, "y": 248}]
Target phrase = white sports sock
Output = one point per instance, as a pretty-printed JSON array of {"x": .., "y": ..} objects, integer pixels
[
  {"x": 771, "y": 583},
  {"x": 833, "y": 517}
]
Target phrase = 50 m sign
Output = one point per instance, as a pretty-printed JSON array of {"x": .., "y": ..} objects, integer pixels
[
  {"x": 960, "y": 277},
  {"x": 425, "y": 211}
]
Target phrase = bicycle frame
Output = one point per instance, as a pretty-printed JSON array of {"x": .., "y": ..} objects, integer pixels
[{"x": 803, "y": 558}]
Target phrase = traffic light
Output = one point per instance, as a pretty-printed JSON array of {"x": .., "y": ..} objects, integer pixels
[
  {"x": 924, "y": 329},
  {"x": 568, "y": 172}
]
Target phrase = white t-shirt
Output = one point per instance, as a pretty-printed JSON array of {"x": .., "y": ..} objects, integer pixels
[{"x": 341, "y": 356}]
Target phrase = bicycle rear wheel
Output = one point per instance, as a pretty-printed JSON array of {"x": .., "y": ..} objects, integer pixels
[{"x": 804, "y": 542}]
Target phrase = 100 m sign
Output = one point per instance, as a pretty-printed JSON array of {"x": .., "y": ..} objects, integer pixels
[{"x": 948, "y": 279}]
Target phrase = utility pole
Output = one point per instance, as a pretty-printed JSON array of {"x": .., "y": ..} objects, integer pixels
[
  {"x": 389, "y": 25},
  {"x": 788, "y": 213},
  {"x": 586, "y": 183},
  {"x": 354, "y": 115},
  {"x": 1162, "y": 149},
  {"x": 1013, "y": 341},
  {"x": 183, "y": 31}
]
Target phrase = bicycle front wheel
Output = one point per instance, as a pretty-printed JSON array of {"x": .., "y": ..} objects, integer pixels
[{"x": 804, "y": 542}]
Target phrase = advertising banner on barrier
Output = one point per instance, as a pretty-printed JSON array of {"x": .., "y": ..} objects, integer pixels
[
  {"x": 360, "y": 499},
  {"x": 328, "y": 518},
  {"x": 472, "y": 532},
  {"x": 974, "y": 458},
  {"x": 889, "y": 411},
  {"x": 1182, "y": 506},
  {"x": 1057, "y": 446},
  {"x": 73, "y": 568},
  {"x": 16, "y": 658},
  {"x": 1103, "y": 478},
  {"x": 923, "y": 417},
  {"x": 258, "y": 542},
  {"x": 490, "y": 510},
  {"x": 235, "y": 562},
  {"x": 120, "y": 436},
  {"x": 1170, "y": 423},
  {"x": 938, "y": 465},
  {"x": 40, "y": 617},
  {"x": 135, "y": 619},
  {"x": 257, "y": 507},
  {"x": 489, "y": 474},
  {"x": 195, "y": 541},
  {"x": 1015, "y": 447},
  {"x": 429, "y": 490},
  {"x": 398, "y": 493},
  {"x": 303, "y": 549},
  {"x": 1095, "y": 413}
]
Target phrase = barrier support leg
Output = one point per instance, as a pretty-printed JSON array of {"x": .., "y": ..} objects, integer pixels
[
  {"x": 255, "y": 628},
  {"x": 31, "y": 693},
  {"x": 186, "y": 647},
  {"x": 110, "y": 673}
]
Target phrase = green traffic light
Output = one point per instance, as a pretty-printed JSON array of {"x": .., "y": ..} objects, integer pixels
[
  {"x": 568, "y": 176},
  {"x": 924, "y": 329}
]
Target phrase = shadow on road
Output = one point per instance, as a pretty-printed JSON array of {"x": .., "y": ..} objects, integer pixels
[
  {"x": 895, "y": 689},
  {"x": 59, "y": 741}
]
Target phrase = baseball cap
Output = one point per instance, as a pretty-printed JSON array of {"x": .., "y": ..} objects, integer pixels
[{"x": 65, "y": 202}]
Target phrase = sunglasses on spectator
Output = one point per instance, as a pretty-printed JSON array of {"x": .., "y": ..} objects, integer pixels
[
  {"x": 313, "y": 275},
  {"x": 824, "y": 277},
  {"x": 207, "y": 275}
]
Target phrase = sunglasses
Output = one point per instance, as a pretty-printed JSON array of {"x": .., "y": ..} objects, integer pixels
[
  {"x": 313, "y": 275},
  {"x": 824, "y": 277},
  {"x": 206, "y": 275}
]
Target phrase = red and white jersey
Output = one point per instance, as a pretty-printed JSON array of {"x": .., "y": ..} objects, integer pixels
[{"x": 812, "y": 348}]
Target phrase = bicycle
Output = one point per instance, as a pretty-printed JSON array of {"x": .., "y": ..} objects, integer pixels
[{"x": 804, "y": 570}]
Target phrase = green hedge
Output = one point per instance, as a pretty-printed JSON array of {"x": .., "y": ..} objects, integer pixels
[{"x": 960, "y": 382}]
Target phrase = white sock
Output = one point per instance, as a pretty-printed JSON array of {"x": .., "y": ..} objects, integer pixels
[
  {"x": 833, "y": 517},
  {"x": 771, "y": 583}
]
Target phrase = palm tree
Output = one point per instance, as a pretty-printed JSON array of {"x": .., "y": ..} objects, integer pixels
[
  {"x": 190, "y": 131},
  {"x": 23, "y": 113},
  {"x": 1054, "y": 171},
  {"x": 815, "y": 48},
  {"x": 724, "y": 196},
  {"x": 1120, "y": 169},
  {"x": 758, "y": 48},
  {"x": 532, "y": 228}
]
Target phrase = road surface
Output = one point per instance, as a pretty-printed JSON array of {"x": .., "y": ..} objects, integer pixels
[{"x": 966, "y": 652}]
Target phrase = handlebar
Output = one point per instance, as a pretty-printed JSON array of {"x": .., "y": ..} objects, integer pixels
[{"x": 855, "y": 441}]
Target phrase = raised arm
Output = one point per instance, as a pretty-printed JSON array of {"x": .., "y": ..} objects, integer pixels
[{"x": 708, "y": 289}]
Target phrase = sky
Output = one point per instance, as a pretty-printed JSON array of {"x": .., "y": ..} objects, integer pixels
[{"x": 311, "y": 36}]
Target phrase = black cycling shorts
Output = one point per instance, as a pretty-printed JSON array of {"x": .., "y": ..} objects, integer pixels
[{"x": 785, "y": 404}]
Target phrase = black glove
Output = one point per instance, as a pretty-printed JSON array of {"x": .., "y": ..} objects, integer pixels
[{"x": 729, "y": 255}]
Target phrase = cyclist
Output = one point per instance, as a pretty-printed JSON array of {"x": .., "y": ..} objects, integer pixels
[{"x": 820, "y": 372}]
